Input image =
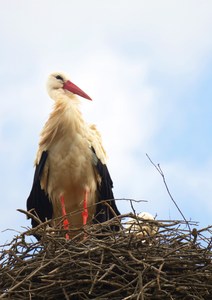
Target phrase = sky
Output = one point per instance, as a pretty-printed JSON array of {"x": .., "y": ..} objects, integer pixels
[{"x": 147, "y": 65}]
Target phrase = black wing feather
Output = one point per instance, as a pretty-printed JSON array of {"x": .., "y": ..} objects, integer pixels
[
  {"x": 38, "y": 200},
  {"x": 103, "y": 211}
]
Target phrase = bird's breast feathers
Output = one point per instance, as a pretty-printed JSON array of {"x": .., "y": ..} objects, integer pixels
[{"x": 71, "y": 160}]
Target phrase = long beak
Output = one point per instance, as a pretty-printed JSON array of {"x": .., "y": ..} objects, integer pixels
[{"x": 71, "y": 87}]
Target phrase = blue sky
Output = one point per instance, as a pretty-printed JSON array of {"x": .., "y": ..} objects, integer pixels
[{"x": 146, "y": 64}]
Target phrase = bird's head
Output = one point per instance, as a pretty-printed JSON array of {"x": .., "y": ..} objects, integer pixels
[{"x": 59, "y": 83}]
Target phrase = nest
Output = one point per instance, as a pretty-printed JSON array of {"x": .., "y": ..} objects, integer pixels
[{"x": 171, "y": 262}]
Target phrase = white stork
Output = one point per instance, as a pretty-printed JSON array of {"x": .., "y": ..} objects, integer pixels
[{"x": 71, "y": 177}]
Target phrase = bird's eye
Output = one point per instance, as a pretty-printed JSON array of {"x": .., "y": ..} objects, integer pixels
[{"x": 59, "y": 77}]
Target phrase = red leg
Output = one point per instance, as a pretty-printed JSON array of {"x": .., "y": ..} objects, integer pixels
[
  {"x": 85, "y": 208},
  {"x": 65, "y": 221}
]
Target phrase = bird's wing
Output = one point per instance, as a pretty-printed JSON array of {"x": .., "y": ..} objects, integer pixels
[
  {"x": 38, "y": 200},
  {"x": 106, "y": 208},
  {"x": 95, "y": 140}
]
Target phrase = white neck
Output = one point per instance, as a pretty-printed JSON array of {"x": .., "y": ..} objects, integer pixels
[{"x": 65, "y": 120}]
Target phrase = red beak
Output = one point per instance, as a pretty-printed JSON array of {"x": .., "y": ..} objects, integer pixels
[{"x": 71, "y": 87}]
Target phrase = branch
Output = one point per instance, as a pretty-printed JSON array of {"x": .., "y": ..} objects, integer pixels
[{"x": 158, "y": 168}]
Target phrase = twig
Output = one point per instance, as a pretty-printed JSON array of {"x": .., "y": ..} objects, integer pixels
[{"x": 158, "y": 168}]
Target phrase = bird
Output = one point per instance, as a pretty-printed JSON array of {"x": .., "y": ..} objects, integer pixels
[
  {"x": 140, "y": 225},
  {"x": 71, "y": 177}
]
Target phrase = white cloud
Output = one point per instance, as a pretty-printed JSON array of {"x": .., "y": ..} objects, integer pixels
[{"x": 175, "y": 36}]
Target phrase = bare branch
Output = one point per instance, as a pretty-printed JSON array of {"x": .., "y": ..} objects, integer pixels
[{"x": 158, "y": 168}]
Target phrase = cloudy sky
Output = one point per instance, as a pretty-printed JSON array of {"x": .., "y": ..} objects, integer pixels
[{"x": 147, "y": 66}]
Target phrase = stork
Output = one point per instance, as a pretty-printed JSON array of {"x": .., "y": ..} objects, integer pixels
[{"x": 71, "y": 177}]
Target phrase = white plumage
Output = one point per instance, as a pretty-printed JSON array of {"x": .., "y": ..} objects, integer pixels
[
  {"x": 74, "y": 148},
  {"x": 140, "y": 227}
]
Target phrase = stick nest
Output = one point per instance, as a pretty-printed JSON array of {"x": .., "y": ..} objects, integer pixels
[{"x": 171, "y": 262}]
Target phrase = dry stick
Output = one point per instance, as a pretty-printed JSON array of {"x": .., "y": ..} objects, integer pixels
[
  {"x": 158, "y": 276},
  {"x": 97, "y": 274},
  {"x": 30, "y": 215},
  {"x": 158, "y": 168},
  {"x": 129, "y": 199},
  {"x": 107, "y": 272},
  {"x": 140, "y": 284},
  {"x": 133, "y": 209},
  {"x": 65, "y": 294},
  {"x": 25, "y": 279}
]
